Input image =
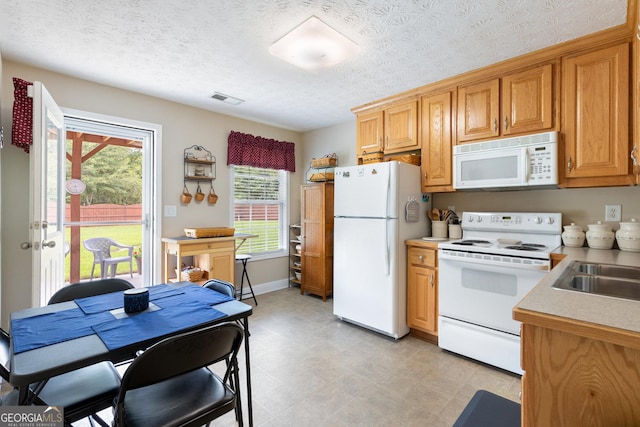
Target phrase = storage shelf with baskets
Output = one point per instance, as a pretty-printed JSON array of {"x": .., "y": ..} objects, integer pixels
[
  {"x": 295, "y": 256},
  {"x": 321, "y": 169},
  {"x": 199, "y": 166}
]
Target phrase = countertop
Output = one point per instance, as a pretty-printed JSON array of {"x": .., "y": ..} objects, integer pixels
[{"x": 615, "y": 319}]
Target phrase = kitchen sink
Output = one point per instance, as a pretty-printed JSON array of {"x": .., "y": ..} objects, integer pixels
[
  {"x": 601, "y": 279},
  {"x": 609, "y": 270}
]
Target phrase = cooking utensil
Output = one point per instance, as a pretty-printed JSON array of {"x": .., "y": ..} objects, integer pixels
[{"x": 435, "y": 214}]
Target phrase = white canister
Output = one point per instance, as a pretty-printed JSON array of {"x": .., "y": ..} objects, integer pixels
[
  {"x": 628, "y": 236},
  {"x": 573, "y": 236},
  {"x": 439, "y": 229},
  {"x": 455, "y": 231},
  {"x": 600, "y": 236}
]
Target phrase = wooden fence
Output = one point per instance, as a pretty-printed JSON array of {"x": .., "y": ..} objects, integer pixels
[{"x": 106, "y": 213}]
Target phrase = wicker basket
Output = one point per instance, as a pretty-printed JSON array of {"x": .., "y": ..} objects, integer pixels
[
  {"x": 321, "y": 177},
  {"x": 209, "y": 232},
  {"x": 412, "y": 159},
  {"x": 324, "y": 162},
  {"x": 372, "y": 157},
  {"x": 190, "y": 275}
]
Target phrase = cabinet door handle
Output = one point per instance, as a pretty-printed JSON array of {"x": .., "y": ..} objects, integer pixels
[
  {"x": 495, "y": 125},
  {"x": 569, "y": 164},
  {"x": 506, "y": 122},
  {"x": 426, "y": 175},
  {"x": 421, "y": 258},
  {"x": 634, "y": 157},
  {"x": 387, "y": 141},
  {"x": 431, "y": 281}
]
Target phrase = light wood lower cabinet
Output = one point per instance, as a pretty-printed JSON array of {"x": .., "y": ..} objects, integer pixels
[
  {"x": 573, "y": 378},
  {"x": 316, "y": 215},
  {"x": 422, "y": 289},
  {"x": 215, "y": 255}
]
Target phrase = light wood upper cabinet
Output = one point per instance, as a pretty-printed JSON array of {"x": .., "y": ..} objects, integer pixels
[
  {"x": 527, "y": 101},
  {"x": 437, "y": 140},
  {"x": 525, "y": 105},
  {"x": 596, "y": 118},
  {"x": 401, "y": 127},
  {"x": 479, "y": 110},
  {"x": 369, "y": 133},
  {"x": 392, "y": 130}
]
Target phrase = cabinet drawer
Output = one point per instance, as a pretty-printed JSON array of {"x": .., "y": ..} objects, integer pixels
[{"x": 420, "y": 256}]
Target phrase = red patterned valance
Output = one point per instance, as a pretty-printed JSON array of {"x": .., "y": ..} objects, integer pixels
[
  {"x": 256, "y": 151},
  {"x": 22, "y": 130}
]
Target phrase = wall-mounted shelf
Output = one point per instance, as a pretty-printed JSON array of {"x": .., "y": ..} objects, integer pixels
[{"x": 199, "y": 164}]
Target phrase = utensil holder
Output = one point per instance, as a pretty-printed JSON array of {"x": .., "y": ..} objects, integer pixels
[
  {"x": 439, "y": 229},
  {"x": 455, "y": 231}
]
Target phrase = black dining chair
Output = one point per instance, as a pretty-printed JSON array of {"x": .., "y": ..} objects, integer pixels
[
  {"x": 89, "y": 289},
  {"x": 170, "y": 384},
  {"x": 221, "y": 286},
  {"x": 83, "y": 392}
]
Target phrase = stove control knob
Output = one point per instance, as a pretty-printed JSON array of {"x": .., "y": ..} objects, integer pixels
[
  {"x": 479, "y": 218},
  {"x": 550, "y": 220},
  {"x": 537, "y": 220}
]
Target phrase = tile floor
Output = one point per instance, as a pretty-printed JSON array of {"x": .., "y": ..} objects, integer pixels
[{"x": 310, "y": 369}]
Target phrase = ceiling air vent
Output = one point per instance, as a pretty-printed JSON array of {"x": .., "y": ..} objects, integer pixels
[{"x": 226, "y": 98}]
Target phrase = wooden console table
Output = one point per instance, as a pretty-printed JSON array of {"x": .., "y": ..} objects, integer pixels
[{"x": 215, "y": 255}]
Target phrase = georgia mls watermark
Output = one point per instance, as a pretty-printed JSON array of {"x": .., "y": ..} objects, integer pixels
[{"x": 31, "y": 416}]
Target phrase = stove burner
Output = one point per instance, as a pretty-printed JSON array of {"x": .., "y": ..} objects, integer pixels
[
  {"x": 525, "y": 247},
  {"x": 471, "y": 242},
  {"x": 534, "y": 245}
]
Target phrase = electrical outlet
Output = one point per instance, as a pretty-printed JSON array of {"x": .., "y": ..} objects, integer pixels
[
  {"x": 451, "y": 208},
  {"x": 613, "y": 213}
]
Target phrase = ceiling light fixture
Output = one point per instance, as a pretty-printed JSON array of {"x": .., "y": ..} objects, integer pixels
[
  {"x": 313, "y": 45},
  {"x": 226, "y": 98}
]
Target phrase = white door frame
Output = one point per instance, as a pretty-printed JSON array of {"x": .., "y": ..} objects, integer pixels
[{"x": 151, "y": 181}]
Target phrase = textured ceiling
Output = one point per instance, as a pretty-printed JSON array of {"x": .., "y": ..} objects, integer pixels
[{"x": 186, "y": 50}]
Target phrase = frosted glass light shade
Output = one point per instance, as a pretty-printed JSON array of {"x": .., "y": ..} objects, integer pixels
[{"x": 313, "y": 45}]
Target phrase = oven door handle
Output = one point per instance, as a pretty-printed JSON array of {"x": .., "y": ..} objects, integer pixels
[{"x": 483, "y": 260}]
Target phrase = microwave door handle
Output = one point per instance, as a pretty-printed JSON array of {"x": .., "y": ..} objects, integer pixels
[{"x": 526, "y": 165}]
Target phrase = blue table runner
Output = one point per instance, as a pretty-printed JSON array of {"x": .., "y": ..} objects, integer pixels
[
  {"x": 180, "y": 308},
  {"x": 113, "y": 300},
  {"x": 46, "y": 329},
  {"x": 153, "y": 324}
]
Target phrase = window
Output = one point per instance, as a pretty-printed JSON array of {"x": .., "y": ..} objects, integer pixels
[{"x": 260, "y": 206}]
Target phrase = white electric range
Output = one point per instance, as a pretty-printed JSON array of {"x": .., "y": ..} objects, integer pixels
[{"x": 500, "y": 258}]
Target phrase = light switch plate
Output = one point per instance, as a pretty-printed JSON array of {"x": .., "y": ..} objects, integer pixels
[
  {"x": 613, "y": 213},
  {"x": 170, "y": 210}
]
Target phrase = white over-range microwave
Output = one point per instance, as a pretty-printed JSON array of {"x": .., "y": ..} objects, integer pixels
[{"x": 529, "y": 161}]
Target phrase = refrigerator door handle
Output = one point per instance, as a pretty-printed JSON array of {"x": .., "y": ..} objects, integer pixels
[{"x": 386, "y": 249}]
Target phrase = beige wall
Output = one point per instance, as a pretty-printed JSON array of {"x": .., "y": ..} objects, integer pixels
[{"x": 182, "y": 126}]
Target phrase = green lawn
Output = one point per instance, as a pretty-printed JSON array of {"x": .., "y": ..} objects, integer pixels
[{"x": 124, "y": 234}]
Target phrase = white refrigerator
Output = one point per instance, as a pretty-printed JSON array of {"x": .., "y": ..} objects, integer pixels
[{"x": 377, "y": 207}]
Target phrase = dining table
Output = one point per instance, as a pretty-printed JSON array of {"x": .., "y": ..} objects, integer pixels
[{"x": 58, "y": 338}]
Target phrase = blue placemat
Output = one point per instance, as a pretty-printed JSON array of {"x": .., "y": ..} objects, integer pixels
[
  {"x": 197, "y": 293},
  {"x": 152, "y": 324},
  {"x": 106, "y": 302},
  {"x": 52, "y": 328}
]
